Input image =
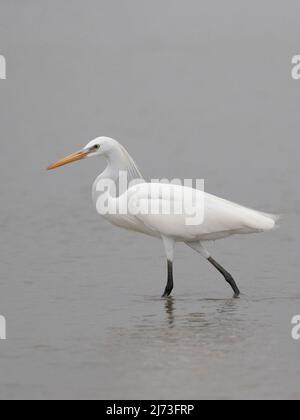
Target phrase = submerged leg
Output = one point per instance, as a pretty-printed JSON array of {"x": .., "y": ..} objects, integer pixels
[
  {"x": 198, "y": 247},
  {"x": 169, "y": 245}
]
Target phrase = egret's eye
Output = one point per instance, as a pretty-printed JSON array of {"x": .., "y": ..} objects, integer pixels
[{"x": 96, "y": 147}]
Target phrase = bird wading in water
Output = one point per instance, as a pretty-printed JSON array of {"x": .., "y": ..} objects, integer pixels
[{"x": 220, "y": 218}]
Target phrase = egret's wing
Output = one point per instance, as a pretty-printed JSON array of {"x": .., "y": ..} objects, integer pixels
[
  {"x": 215, "y": 217},
  {"x": 168, "y": 209}
]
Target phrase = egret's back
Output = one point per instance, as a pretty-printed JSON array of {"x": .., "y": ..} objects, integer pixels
[{"x": 221, "y": 218}]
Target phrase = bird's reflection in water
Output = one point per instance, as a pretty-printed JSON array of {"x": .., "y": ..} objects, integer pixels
[
  {"x": 217, "y": 326},
  {"x": 178, "y": 321},
  {"x": 219, "y": 323},
  {"x": 170, "y": 310},
  {"x": 222, "y": 307}
]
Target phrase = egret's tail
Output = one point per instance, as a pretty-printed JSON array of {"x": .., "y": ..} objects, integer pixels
[{"x": 263, "y": 222}]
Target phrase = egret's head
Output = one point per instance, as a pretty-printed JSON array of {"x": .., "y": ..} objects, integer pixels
[{"x": 102, "y": 146}]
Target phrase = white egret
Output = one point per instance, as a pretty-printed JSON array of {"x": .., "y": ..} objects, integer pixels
[{"x": 221, "y": 218}]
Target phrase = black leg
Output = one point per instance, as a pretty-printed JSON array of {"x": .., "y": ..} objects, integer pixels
[
  {"x": 170, "y": 284},
  {"x": 227, "y": 276}
]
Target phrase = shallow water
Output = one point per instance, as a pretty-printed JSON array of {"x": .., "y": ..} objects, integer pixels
[{"x": 188, "y": 98}]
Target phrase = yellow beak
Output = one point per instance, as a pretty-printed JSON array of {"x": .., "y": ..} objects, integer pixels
[{"x": 69, "y": 159}]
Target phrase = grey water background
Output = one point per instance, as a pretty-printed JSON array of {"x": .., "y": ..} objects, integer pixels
[{"x": 193, "y": 90}]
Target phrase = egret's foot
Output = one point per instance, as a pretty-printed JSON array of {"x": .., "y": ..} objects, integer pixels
[
  {"x": 167, "y": 293},
  {"x": 233, "y": 284}
]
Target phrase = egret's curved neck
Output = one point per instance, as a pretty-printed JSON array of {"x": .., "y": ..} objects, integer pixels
[{"x": 119, "y": 162}]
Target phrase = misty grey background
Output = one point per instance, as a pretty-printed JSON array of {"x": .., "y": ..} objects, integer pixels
[{"x": 193, "y": 89}]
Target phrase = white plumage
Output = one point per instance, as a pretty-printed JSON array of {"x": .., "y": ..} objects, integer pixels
[{"x": 219, "y": 218}]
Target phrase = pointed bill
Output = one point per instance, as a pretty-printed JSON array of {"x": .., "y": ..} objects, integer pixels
[{"x": 69, "y": 159}]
